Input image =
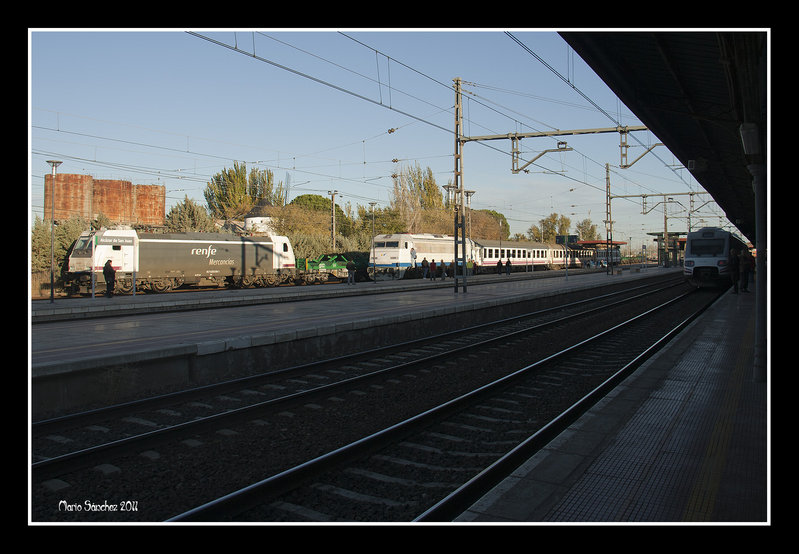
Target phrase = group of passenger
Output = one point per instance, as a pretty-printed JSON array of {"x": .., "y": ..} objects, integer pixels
[
  {"x": 430, "y": 270},
  {"x": 507, "y": 267},
  {"x": 740, "y": 266}
]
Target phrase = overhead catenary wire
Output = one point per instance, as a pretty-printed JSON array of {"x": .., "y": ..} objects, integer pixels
[{"x": 414, "y": 117}]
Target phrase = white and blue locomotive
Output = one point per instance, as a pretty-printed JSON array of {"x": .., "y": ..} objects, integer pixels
[
  {"x": 706, "y": 255},
  {"x": 397, "y": 253},
  {"x": 163, "y": 262}
]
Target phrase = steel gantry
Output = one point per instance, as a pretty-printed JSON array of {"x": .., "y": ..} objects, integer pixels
[
  {"x": 562, "y": 146},
  {"x": 515, "y": 138},
  {"x": 666, "y": 198}
]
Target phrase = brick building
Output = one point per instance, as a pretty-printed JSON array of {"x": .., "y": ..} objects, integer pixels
[{"x": 121, "y": 201}]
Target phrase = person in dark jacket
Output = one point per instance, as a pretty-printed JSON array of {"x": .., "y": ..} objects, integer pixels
[
  {"x": 747, "y": 265},
  {"x": 734, "y": 266},
  {"x": 109, "y": 274}
]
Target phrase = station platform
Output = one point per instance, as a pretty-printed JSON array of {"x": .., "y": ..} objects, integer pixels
[
  {"x": 88, "y": 352},
  {"x": 685, "y": 440},
  {"x": 82, "y": 328},
  {"x": 82, "y": 308}
]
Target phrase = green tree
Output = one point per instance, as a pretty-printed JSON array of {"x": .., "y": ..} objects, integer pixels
[
  {"x": 262, "y": 185},
  {"x": 101, "y": 221},
  {"x": 64, "y": 234},
  {"x": 549, "y": 228},
  {"x": 317, "y": 203},
  {"x": 499, "y": 228},
  {"x": 189, "y": 216},
  {"x": 423, "y": 184},
  {"x": 313, "y": 202},
  {"x": 386, "y": 221},
  {"x": 586, "y": 230},
  {"x": 233, "y": 193},
  {"x": 416, "y": 192}
]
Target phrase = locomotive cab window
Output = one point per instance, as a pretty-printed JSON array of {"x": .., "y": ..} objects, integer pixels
[{"x": 83, "y": 243}]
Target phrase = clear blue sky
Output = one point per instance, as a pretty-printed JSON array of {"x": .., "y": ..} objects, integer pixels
[{"x": 315, "y": 106}]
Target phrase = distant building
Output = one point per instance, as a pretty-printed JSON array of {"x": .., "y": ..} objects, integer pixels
[
  {"x": 261, "y": 225},
  {"x": 121, "y": 201}
]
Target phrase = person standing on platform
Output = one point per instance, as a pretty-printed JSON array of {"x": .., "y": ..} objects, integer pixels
[
  {"x": 499, "y": 267},
  {"x": 734, "y": 267},
  {"x": 350, "y": 272},
  {"x": 433, "y": 270},
  {"x": 425, "y": 268},
  {"x": 109, "y": 274},
  {"x": 747, "y": 263},
  {"x": 507, "y": 267}
]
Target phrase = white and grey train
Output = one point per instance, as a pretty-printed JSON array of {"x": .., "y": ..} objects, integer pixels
[
  {"x": 706, "y": 255},
  {"x": 163, "y": 262},
  {"x": 398, "y": 253}
]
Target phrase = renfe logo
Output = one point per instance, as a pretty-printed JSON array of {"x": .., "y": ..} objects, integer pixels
[{"x": 207, "y": 252}]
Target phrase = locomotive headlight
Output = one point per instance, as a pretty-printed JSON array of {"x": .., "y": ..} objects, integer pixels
[{"x": 721, "y": 263}]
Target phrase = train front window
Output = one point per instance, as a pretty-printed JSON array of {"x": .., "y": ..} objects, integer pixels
[
  {"x": 392, "y": 244},
  {"x": 83, "y": 243},
  {"x": 707, "y": 247}
]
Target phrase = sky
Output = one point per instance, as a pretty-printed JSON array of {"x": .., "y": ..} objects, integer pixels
[{"x": 342, "y": 110}]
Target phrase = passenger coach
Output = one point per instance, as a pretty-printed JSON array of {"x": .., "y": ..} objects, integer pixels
[{"x": 523, "y": 256}]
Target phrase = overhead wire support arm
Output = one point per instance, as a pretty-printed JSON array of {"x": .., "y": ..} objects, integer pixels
[
  {"x": 623, "y": 147},
  {"x": 516, "y": 137},
  {"x": 558, "y": 133},
  {"x": 515, "y": 154}
]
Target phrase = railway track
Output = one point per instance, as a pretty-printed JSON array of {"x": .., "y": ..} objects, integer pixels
[{"x": 303, "y": 413}]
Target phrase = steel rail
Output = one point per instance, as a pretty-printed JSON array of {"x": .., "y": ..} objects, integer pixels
[
  {"x": 252, "y": 495},
  {"x": 80, "y": 458}
]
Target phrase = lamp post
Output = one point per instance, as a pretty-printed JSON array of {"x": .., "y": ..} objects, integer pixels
[
  {"x": 53, "y": 165},
  {"x": 374, "y": 260},
  {"x": 333, "y": 194}
]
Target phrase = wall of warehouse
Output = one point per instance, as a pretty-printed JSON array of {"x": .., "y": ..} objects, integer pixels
[{"x": 121, "y": 201}]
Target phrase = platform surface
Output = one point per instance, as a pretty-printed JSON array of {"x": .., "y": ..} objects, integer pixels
[
  {"x": 266, "y": 314},
  {"x": 685, "y": 439}
]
